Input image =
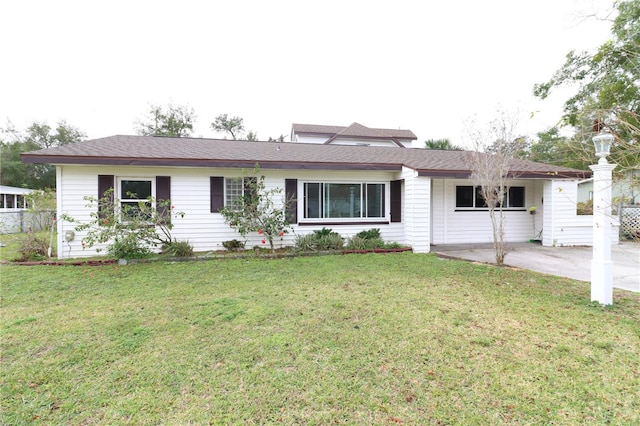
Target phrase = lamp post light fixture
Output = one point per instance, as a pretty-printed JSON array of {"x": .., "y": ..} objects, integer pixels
[{"x": 601, "y": 264}]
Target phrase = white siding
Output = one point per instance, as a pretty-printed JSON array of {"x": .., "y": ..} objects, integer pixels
[
  {"x": 416, "y": 210},
  {"x": 562, "y": 225},
  {"x": 458, "y": 227},
  {"x": 190, "y": 194},
  {"x": 310, "y": 138}
]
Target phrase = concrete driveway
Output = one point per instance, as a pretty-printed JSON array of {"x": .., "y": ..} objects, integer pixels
[{"x": 571, "y": 262}]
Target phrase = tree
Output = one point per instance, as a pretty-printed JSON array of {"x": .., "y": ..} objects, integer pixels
[
  {"x": 174, "y": 121},
  {"x": 234, "y": 127},
  {"x": 441, "y": 144},
  {"x": 494, "y": 151},
  {"x": 607, "y": 89},
  {"x": 258, "y": 210},
  {"x": 38, "y": 135}
]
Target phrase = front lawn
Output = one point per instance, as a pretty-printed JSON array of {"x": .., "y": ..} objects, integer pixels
[{"x": 355, "y": 339}]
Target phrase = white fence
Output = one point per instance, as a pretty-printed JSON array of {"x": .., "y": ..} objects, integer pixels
[
  {"x": 630, "y": 222},
  {"x": 13, "y": 221}
]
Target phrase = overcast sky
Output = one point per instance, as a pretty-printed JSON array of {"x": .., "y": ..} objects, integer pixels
[{"x": 421, "y": 65}]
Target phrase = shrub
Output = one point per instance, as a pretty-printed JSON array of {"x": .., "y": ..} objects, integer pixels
[
  {"x": 325, "y": 239},
  {"x": 178, "y": 249},
  {"x": 128, "y": 246},
  {"x": 233, "y": 245},
  {"x": 324, "y": 232},
  {"x": 357, "y": 243},
  {"x": 129, "y": 230},
  {"x": 370, "y": 234},
  {"x": 306, "y": 242},
  {"x": 332, "y": 241},
  {"x": 33, "y": 247},
  {"x": 393, "y": 245}
]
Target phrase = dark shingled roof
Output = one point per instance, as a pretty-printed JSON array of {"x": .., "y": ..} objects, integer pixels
[
  {"x": 194, "y": 152},
  {"x": 354, "y": 130}
]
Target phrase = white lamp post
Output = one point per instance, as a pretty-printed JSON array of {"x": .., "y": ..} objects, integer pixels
[{"x": 601, "y": 264}]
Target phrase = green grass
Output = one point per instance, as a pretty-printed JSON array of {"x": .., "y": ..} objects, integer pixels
[{"x": 356, "y": 339}]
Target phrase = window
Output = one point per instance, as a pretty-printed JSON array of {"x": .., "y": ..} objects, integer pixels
[
  {"x": 468, "y": 197},
  {"x": 239, "y": 187},
  {"x": 224, "y": 191},
  {"x": 515, "y": 197},
  {"x": 344, "y": 200},
  {"x": 233, "y": 190},
  {"x": 132, "y": 192}
]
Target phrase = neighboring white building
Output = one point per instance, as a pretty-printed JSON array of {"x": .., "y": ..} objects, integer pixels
[
  {"x": 13, "y": 205},
  {"x": 625, "y": 189},
  {"x": 12, "y": 198},
  {"x": 416, "y": 197}
]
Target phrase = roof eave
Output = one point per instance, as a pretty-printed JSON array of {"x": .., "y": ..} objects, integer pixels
[
  {"x": 466, "y": 174},
  {"x": 221, "y": 163}
]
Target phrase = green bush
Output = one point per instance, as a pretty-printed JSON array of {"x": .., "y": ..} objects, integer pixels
[
  {"x": 178, "y": 249},
  {"x": 393, "y": 245},
  {"x": 357, "y": 242},
  {"x": 370, "y": 234},
  {"x": 324, "y": 232},
  {"x": 128, "y": 246},
  {"x": 332, "y": 241},
  {"x": 324, "y": 239},
  {"x": 306, "y": 242}
]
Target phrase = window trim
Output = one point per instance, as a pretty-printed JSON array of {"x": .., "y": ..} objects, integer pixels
[{"x": 476, "y": 196}]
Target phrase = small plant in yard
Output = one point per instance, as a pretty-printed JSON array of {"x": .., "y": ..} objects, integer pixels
[
  {"x": 370, "y": 234},
  {"x": 367, "y": 240},
  {"x": 321, "y": 239},
  {"x": 306, "y": 242},
  {"x": 233, "y": 245},
  {"x": 327, "y": 239},
  {"x": 178, "y": 249},
  {"x": 131, "y": 230},
  {"x": 33, "y": 247},
  {"x": 257, "y": 210}
]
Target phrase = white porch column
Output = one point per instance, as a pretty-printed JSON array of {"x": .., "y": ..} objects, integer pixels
[{"x": 601, "y": 264}]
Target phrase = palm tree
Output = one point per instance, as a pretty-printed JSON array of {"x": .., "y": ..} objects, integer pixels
[{"x": 441, "y": 144}]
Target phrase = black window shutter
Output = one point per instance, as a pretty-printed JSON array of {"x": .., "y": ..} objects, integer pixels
[
  {"x": 216, "y": 193},
  {"x": 105, "y": 207},
  {"x": 396, "y": 200},
  {"x": 163, "y": 196},
  {"x": 291, "y": 197}
]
